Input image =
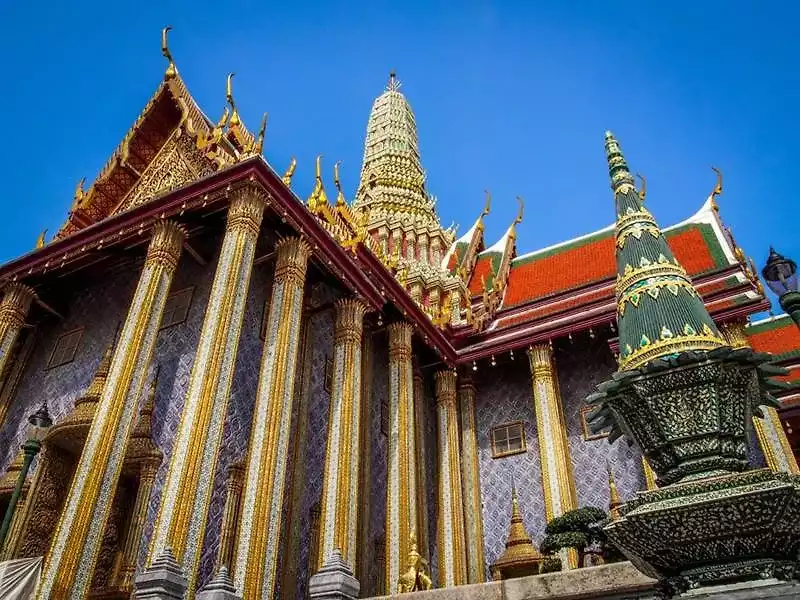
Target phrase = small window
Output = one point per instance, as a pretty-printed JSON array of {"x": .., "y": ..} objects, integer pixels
[
  {"x": 508, "y": 439},
  {"x": 65, "y": 348},
  {"x": 586, "y": 430},
  {"x": 177, "y": 307}
]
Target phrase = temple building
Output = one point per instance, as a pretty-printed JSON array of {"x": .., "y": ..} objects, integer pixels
[{"x": 243, "y": 381}]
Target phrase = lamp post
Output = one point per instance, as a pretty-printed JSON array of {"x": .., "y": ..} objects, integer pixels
[
  {"x": 781, "y": 276},
  {"x": 40, "y": 423}
]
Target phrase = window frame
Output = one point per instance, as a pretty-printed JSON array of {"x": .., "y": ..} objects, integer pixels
[
  {"x": 507, "y": 425},
  {"x": 190, "y": 291},
  {"x": 76, "y": 330}
]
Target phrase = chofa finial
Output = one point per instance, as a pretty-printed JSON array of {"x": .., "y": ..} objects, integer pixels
[
  {"x": 259, "y": 145},
  {"x": 488, "y": 204},
  {"x": 717, "y": 188},
  {"x": 287, "y": 176},
  {"x": 518, "y": 219},
  {"x": 171, "y": 70},
  {"x": 235, "y": 120}
]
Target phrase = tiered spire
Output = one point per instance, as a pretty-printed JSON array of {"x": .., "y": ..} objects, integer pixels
[
  {"x": 520, "y": 550},
  {"x": 392, "y": 179},
  {"x": 658, "y": 310}
]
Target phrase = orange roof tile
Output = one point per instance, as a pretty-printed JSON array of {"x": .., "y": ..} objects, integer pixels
[
  {"x": 481, "y": 270},
  {"x": 779, "y": 336}
]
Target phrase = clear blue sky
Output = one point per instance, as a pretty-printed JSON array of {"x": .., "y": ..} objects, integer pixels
[{"x": 510, "y": 96}]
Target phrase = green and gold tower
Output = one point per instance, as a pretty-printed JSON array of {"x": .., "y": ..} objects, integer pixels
[{"x": 687, "y": 399}]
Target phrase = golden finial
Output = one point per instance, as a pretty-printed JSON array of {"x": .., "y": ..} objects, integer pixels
[
  {"x": 79, "y": 194},
  {"x": 318, "y": 173},
  {"x": 171, "y": 70},
  {"x": 40, "y": 241},
  {"x": 643, "y": 191},
  {"x": 224, "y": 119},
  {"x": 518, "y": 219},
  {"x": 393, "y": 84},
  {"x": 259, "y": 145},
  {"x": 337, "y": 183},
  {"x": 287, "y": 176},
  {"x": 717, "y": 188},
  {"x": 488, "y": 203},
  {"x": 235, "y": 120}
]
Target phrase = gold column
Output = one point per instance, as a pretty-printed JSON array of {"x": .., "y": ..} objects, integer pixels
[
  {"x": 473, "y": 512},
  {"x": 401, "y": 519},
  {"x": 133, "y": 539},
  {"x": 340, "y": 495},
  {"x": 14, "y": 307},
  {"x": 769, "y": 430},
  {"x": 230, "y": 518},
  {"x": 11, "y": 375},
  {"x": 365, "y": 555},
  {"x": 70, "y": 561},
  {"x": 557, "y": 480},
  {"x": 450, "y": 508},
  {"x": 262, "y": 504},
  {"x": 181, "y": 522},
  {"x": 421, "y": 466}
]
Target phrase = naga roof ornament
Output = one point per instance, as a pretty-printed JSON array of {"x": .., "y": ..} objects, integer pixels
[{"x": 659, "y": 312}]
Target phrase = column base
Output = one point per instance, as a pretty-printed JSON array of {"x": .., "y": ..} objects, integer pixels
[
  {"x": 163, "y": 580},
  {"x": 219, "y": 588},
  {"x": 334, "y": 581}
]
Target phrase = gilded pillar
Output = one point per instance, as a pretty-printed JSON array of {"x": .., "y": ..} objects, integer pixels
[
  {"x": 450, "y": 509},
  {"x": 340, "y": 491},
  {"x": 649, "y": 475},
  {"x": 557, "y": 479},
  {"x": 421, "y": 463},
  {"x": 769, "y": 430},
  {"x": 401, "y": 513},
  {"x": 473, "y": 513},
  {"x": 133, "y": 539},
  {"x": 183, "y": 513},
  {"x": 14, "y": 307},
  {"x": 230, "y": 518},
  {"x": 258, "y": 542},
  {"x": 70, "y": 561}
]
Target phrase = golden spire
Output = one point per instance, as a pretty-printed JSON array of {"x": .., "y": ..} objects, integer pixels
[
  {"x": 95, "y": 389},
  {"x": 318, "y": 198},
  {"x": 235, "y": 120},
  {"x": 614, "y": 501},
  {"x": 339, "y": 195},
  {"x": 259, "y": 145},
  {"x": 79, "y": 195},
  {"x": 287, "y": 176},
  {"x": 717, "y": 188},
  {"x": 643, "y": 191},
  {"x": 40, "y": 241},
  {"x": 519, "y": 550},
  {"x": 171, "y": 71}
]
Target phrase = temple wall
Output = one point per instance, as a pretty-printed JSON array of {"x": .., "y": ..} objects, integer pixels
[
  {"x": 504, "y": 395},
  {"x": 581, "y": 366}
]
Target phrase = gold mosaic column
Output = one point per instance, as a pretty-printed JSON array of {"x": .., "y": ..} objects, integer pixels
[
  {"x": 421, "y": 466},
  {"x": 182, "y": 517},
  {"x": 77, "y": 538},
  {"x": 133, "y": 540},
  {"x": 450, "y": 509},
  {"x": 258, "y": 545},
  {"x": 14, "y": 307},
  {"x": 340, "y": 493},
  {"x": 401, "y": 520},
  {"x": 230, "y": 518},
  {"x": 557, "y": 479},
  {"x": 473, "y": 512},
  {"x": 769, "y": 430}
]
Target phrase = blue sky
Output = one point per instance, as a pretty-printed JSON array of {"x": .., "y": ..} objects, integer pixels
[{"x": 509, "y": 96}]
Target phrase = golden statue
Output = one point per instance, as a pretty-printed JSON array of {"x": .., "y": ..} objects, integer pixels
[{"x": 415, "y": 578}]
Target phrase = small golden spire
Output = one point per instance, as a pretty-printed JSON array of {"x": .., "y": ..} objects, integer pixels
[
  {"x": 518, "y": 219},
  {"x": 79, "y": 194},
  {"x": 339, "y": 195},
  {"x": 717, "y": 188},
  {"x": 235, "y": 120},
  {"x": 519, "y": 551},
  {"x": 318, "y": 172},
  {"x": 287, "y": 176},
  {"x": 40, "y": 241},
  {"x": 171, "y": 71},
  {"x": 643, "y": 191},
  {"x": 614, "y": 501},
  {"x": 259, "y": 145}
]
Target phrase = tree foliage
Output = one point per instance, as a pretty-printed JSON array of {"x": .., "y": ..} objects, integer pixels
[
  {"x": 581, "y": 529},
  {"x": 551, "y": 564}
]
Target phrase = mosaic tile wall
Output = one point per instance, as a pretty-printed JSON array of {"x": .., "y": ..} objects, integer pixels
[
  {"x": 504, "y": 395},
  {"x": 432, "y": 457},
  {"x": 321, "y": 328},
  {"x": 581, "y": 366}
]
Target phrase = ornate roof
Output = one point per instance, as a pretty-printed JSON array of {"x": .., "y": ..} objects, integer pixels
[{"x": 659, "y": 312}]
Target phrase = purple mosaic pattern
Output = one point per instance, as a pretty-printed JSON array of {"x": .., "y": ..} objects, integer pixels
[
  {"x": 504, "y": 395},
  {"x": 377, "y": 491},
  {"x": 755, "y": 454},
  {"x": 98, "y": 309},
  {"x": 580, "y": 367},
  {"x": 432, "y": 457},
  {"x": 315, "y": 444}
]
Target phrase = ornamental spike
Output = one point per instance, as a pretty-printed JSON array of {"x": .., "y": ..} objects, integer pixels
[
  {"x": 171, "y": 71},
  {"x": 617, "y": 167}
]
